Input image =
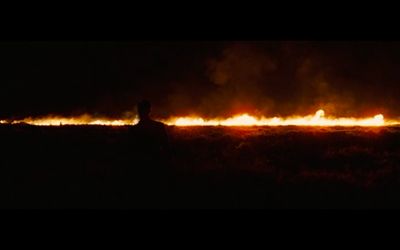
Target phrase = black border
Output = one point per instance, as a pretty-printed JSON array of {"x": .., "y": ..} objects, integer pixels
[
  {"x": 204, "y": 21},
  {"x": 287, "y": 226}
]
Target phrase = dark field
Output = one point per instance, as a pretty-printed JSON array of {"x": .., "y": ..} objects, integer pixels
[{"x": 211, "y": 167}]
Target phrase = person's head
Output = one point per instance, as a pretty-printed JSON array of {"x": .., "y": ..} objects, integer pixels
[{"x": 143, "y": 108}]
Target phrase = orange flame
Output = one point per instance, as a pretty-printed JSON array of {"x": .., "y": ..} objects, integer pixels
[
  {"x": 80, "y": 120},
  {"x": 318, "y": 119}
]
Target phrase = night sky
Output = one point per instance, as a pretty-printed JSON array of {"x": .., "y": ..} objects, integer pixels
[{"x": 204, "y": 78}]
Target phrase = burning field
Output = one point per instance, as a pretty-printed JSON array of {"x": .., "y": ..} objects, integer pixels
[
  {"x": 251, "y": 124},
  {"x": 318, "y": 119},
  {"x": 211, "y": 167}
]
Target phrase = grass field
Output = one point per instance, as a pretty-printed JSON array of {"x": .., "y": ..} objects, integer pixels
[{"x": 211, "y": 167}]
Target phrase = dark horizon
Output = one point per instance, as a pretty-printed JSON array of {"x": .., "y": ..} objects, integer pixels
[{"x": 210, "y": 79}]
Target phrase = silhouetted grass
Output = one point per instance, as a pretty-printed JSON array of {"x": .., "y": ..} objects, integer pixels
[{"x": 212, "y": 167}]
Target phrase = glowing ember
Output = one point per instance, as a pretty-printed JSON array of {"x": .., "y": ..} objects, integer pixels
[{"x": 318, "y": 119}]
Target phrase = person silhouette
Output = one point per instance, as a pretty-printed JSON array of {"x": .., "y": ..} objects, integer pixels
[
  {"x": 152, "y": 154},
  {"x": 151, "y": 135}
]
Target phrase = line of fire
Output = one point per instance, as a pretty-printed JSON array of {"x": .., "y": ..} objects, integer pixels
[{"x": 317, "y": 119}]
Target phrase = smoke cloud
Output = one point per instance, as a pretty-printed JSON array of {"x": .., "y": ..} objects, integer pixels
[{"x": 211, "y": 79}]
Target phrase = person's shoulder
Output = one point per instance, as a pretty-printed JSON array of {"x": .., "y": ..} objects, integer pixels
[
  {"x": 158, "y": 124},
  {"x": 133, "y": 128},
  {"x": 161, "y": 124}
]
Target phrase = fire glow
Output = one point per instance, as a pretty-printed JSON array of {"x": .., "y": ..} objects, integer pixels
[
  {"x": 80, "y": 120},
  {"x": 318, "y": 119}
]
